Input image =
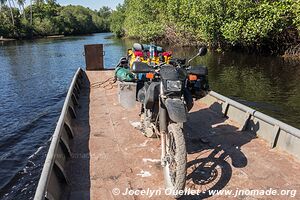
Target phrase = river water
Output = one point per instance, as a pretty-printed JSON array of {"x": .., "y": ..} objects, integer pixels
[{"x": 35, "y": 75}]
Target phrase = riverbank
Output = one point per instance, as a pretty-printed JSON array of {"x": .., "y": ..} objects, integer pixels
[
  {"x": 264, "y": 27},
  {"x": 55, "y": 36},
  {"x": 292, "y": 51},
  {"x": 33, "y": 38},
  {"x": 2, "y": 39},
  {"x": 47, "y": 37},
  {"x": 51, "y": 19}
]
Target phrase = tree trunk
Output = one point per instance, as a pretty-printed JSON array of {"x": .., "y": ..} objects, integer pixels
[
  {"x": 11, "y": 13},
  {"x": 24, "y": 14},
  {"x": 20, "y": 8},
  {"x": 31, "y": 12}
]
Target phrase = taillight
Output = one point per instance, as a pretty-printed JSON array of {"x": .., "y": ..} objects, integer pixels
[
  {"x": 193, "y": 77},
  {"x": 150, "y": 75}
]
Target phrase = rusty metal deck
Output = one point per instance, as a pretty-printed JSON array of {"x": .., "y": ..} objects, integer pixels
[{"x": 108, "y": 152}]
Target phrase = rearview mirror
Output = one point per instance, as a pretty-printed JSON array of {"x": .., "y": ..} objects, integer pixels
[{"x": 202, "y": 51}]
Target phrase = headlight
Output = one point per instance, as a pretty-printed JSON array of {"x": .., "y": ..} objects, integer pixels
[{"x": 174, "y": 86}]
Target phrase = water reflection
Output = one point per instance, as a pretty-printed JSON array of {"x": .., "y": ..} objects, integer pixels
[{"x": 268, "y": 84}]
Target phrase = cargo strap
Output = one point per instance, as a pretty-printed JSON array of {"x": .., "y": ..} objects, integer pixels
[{"x": 107, "y": 84}]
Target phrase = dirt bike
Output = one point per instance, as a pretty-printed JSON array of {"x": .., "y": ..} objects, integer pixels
[{"x": 165, "y": 94}]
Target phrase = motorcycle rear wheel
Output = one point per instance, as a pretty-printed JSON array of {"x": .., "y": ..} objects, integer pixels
[{"x": 175, "y": 162}]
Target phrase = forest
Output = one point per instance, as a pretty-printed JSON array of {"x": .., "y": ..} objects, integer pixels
[
  {"x": 43, "y": 18},
  {"x": 270, "y": 26}
]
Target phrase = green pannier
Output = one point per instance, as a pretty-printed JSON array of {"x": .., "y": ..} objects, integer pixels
[{"x": 124, "y": 74}]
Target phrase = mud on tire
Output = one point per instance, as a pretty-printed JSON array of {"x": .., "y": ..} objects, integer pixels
[{"x": 175, "y": 170}]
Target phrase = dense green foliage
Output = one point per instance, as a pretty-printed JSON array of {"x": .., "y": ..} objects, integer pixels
[
  {"x": 117, "y": 17},
  {"x": 49, "y": 18},
  {"x": 264, "y": 25},
  {"x": 259, "y": 24}
]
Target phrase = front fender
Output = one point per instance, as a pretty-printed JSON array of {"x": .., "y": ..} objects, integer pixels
[{"x": 176, "y": 110}]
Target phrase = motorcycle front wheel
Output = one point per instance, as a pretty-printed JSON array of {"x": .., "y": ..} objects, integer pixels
[{"x": 175, "y": 160}]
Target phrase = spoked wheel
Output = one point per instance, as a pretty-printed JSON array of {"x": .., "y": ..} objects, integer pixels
[
  {"x": 175, "y": 160},
  {"x": 207, "y": 174}
]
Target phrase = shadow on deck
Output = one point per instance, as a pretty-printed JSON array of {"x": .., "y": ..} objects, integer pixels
[{"x": 213, "y": 146}]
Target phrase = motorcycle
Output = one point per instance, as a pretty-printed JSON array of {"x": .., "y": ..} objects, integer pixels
[{"x": 165, "y": 95}]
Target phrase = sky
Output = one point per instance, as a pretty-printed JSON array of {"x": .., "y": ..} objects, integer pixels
[{"x": 92, "y": 4}]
